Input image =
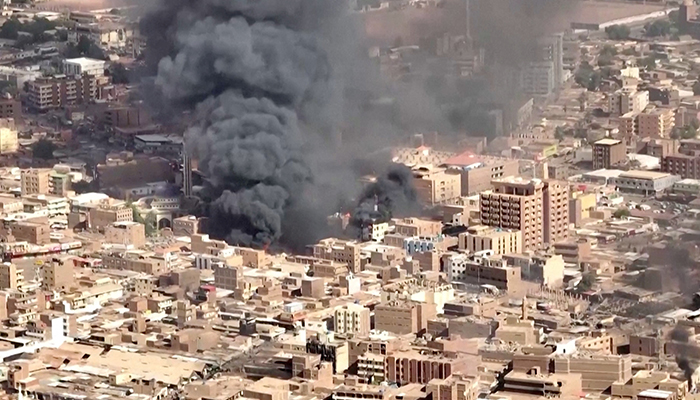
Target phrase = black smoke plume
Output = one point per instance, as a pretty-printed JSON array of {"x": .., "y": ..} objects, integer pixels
[
  {"x": 274, "y": 128},
  {"x": 681, "y": 335},
  {"x": 391, "y": 195}
]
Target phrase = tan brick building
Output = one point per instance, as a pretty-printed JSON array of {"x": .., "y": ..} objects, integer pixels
[
  {"x": 403, "y": 317},
  {"x": 32, "y": 232},
  {"x": 482, "y": 237},
  {"x": 516, "y": 203},
  {"x": 35, "y": 181},
  {"x": 126, "y": 233},
  {"x": 437, "y": 185},
  {"x": 352, "y": 319},
  {"x": 608, "y": 153},
  {"x": 556, "y": 211}
]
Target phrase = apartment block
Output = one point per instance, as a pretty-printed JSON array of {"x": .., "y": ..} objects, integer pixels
[
  {"x": 499, "y": 241},
  {"x": 8, "y": 136},
  {"x": 56, "y": 276},
  {"x": 683, "y": 165},
  {"x": 352, "y": 320},
  {"x": 32, "y": 232},
  {"x": 226, "y": 277},
  {"x": 413, "y": 367},
  {"x": 186, "y": 226},
  {"x": 10, "y": 108},
  {"x": 417, "y": 227},
  {"x": 515, "y": 203},
  {"x": 627, "y": 100},
  {"x": 556, "y": 211},
  {"x": 403, "y": 317},
  {"x": 128, "y": 233},
  {"x": 50, "y": 93},
  {"x": 35, "y": 181},
  {"x": 658, "y": 122},
  {"x": 478, "y": 171},
  {"x": 338, "y": 250},
  {"x": 11, "y": 277},
  {"x": 437, "y": 185},
  {"x": 608, "y": 153},
  {"x": 483, "y": 271}
]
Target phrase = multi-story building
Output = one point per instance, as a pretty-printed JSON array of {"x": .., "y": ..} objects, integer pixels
[
  {"x": 477, "y": 270},
  {"x": 50, "y": 93},
  {"x": 627, "y": 100},
  {"x": 658, "y": 122},
  {"x": 82, "y": 65},
  {"x": 499, "y": 241},
  {"x": 128, "y": 233},
  {"x": 226, "y": 277},
  {"x": 186, "y": 226},
  {"x": 56, "y": 276},
  {"x": 413, "y": 367},
  {"x": 644, "y": 182},
  {"x": 437, "y": 185},
  {"x": 551, "y": 48},
  {"x": 608, "y": 153},
  {"x": 11, "y": 277},
  {"x": 136, "y": 262},
  {"x": 60, "y": 184},
  {"x": 417, "y": 227},
  {"x": 516, "y": 204},
  {"x": 683, "y": 165},
  {"x": 538, "y": 78},
  {"x": 627, "y": 126},
  {"x": 35, "y": 181},
  {"x": 477, "y": 171},
  {"x": 343, "y": 251},
  {"x": 556, "y": 211},
  {"x": 32, "y": 232},
  {"x": 352, "y": 319},
  {"x": 10, "y": 108},
  {"x": 8, "y": 136},
  {"x": 403, "y": 317}
]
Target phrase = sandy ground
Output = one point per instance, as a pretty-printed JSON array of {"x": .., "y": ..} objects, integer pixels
[{"x": 383, "y": 27}]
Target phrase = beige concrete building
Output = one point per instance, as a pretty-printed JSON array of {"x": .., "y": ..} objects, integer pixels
[
  {"x": 437, "y": 185},
  {"x": 608, "y": 153},
  {"x": 186, "y": 226},
  {"x": 56, "y": 276},
  {"x": 343, "y": 251},
  {"x": 478, "y": 171},
  {"x": 556, "y": 211},
  {"x": 136, "y": 262},
  {"x": 352, "y": 320},
  {"x": 627, "y": 100},
  {"x": 516, "y": 203},
  {"x": 32, "y": 232},
  {"x": 658, "y": 122},
  {"x": 126, "y": 233},
  {"x": 35, "y": 181},
  {"x": 482, "y": 237},
  {"x": 413, "y": 367},
  {"x": 11, "y": 277},
  {"x": 8, "y": 136},
  {"x": 226, "y": 277},
  {"x": 417, "y": 227},
  {"x": 403, "y": 317}
]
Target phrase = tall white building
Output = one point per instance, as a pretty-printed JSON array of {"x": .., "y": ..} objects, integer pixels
[{"x": 82, "y": 65}]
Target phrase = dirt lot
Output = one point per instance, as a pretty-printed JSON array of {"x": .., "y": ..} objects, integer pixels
[{"x": 383, "y": 27}]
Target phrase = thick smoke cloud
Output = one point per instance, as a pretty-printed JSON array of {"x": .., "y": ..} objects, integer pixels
[
  {"x": 391, "y": 195},
  {"x": 275, "y": 127},
  {"x": 686, "y": 364}
]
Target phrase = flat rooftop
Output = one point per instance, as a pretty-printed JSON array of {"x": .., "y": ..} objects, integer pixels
[
  {"x": 608, "y": 142},
  {"x": 644, "y": 175}
]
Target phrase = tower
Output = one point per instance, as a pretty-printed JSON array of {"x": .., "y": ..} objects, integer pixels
[{"x": 186, "y": 172}]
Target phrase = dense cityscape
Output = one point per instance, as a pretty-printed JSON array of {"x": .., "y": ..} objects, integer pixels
[{"x": 350, "y": 199}]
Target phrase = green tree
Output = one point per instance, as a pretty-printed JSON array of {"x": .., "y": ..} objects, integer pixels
[
  {"x": 604, "y": 60},
  {"x": 621, "y": 212},
  {"x": 608, "y": 50},
  {"x": 657, "y": 28},
  {"x": 10, "y": 29},
  {"x": 559, "y": 133},
  {"x": 88, "y": 48},
  {"x": 43, "y": 149},
  {"x": 648, "y": 62},
  {"x": 587, "y": 282},
  {"x": 630, "y": 51},
  {"x": 696, "y": 88},
  {"x": 618, "y": 32}
]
